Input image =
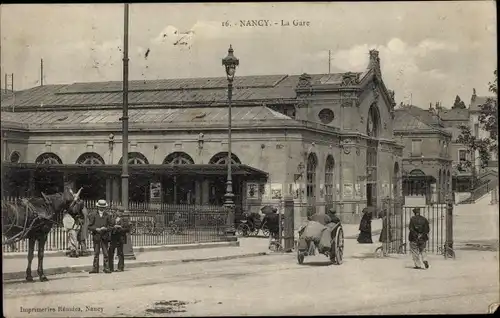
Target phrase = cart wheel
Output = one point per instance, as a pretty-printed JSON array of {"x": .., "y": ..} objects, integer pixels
[
  {"x": 338, "y": 247},
  {"x": 300, "y": 257},
  {"x": 265, "y": 231},
  {"x": 243, "y": 230}
]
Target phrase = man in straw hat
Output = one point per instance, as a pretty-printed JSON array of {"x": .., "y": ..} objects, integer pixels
[
  {"x": 100, "y": 225},
  {"x": 418, "y": 237}
]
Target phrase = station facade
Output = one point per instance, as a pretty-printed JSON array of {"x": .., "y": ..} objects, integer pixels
[{"x": 325, "y": 140}]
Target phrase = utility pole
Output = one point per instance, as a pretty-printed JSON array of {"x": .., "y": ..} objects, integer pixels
[
  {"x": 41, "y": 72},
  {"x": 329, "y": 61},
  {"x": 128, "y": 249}
]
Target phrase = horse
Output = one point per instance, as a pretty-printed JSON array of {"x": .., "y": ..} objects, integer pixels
[{"x": 33, "y": 219}]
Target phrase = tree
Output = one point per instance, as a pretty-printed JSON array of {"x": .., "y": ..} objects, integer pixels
[
  {"x": 473, "y": 144},
  {"x": 459, "y": 104},
  {"x": 488, "y": 116}
]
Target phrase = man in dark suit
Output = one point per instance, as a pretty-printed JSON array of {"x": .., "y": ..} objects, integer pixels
[
  {"x": 100, "y": 225},
  {"x": 121, "y": 226},
  {"x": 418, "y": 237}
]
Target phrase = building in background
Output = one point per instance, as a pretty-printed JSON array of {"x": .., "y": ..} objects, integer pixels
[
  {"x": 326, "y": 140},
  {"x": 427, "y": 164}
]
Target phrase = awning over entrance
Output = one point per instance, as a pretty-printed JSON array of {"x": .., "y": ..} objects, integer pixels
[{"x": 175, "y": 170}]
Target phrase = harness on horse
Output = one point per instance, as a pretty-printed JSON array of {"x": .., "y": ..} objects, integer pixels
[{"x": 30, "y": 209}]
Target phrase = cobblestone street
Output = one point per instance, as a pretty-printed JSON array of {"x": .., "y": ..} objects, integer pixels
[{"x": 270, "y": 285}]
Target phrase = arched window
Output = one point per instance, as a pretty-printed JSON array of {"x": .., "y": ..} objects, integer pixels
[
  {"x": 312, "y": 164},
  {"x": 448, "y": 183},
  {"x": 15, "y": 157},
  {"x": 90, "y": 158},
  {"x": 136, "y": 158},
  {"x": 221, "y": 159},
  {"x": 48, "y": 158},
  {"x": 373, "y": 122},
  {"x": 440, "y": 186},
  {"x": 178, "y": 158},
  {"x": 329, "y": 179},
  {"x": 395, "y": 181}
]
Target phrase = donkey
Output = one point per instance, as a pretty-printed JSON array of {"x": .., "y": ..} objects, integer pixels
[{"x": 33, "y": 219}]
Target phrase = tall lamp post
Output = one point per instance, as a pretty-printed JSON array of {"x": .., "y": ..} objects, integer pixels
[
  {"x": 128, "y": 249},
  {"x": 229, "y": 62}
]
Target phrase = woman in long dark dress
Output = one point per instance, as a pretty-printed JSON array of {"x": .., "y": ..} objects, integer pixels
[{"x": 365, "y": 228}]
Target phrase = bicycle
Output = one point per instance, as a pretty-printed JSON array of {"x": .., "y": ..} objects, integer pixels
[
  {"x": 379, "y": 251},
  {"x": 446, "y": 251},
  {"x": 176, "y": 227},
  {"x": 274, "y": 244}
]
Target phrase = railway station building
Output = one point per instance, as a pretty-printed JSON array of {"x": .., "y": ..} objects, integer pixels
[{"x": 325, "y": 140}]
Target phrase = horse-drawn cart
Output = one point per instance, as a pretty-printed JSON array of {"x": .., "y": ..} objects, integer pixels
[{"x": 336, "y": 251}]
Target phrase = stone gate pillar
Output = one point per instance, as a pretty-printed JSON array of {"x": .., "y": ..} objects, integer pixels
[{"x": 289, "y": 233}]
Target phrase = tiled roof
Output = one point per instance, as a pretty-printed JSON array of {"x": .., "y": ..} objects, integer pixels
[
  {"x": 423, "y": 114},
  {"x": 479, "y": 100},
  {"x": 407, "y": 119},
  {"x": 196, "y": 115},
  {"x": 454, "y": 114},
  {"x": 169, "y": 91}
]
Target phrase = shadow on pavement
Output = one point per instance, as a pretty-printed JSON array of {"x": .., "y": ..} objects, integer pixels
[
  {"x": 365, "y": 256},
  {"x": 326, "y": 263},
  {"x": 37, "y": 281}
]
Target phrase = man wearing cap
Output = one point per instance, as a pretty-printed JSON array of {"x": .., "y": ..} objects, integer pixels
[
  {"x": 121, "y": 227},
  {"x": 100, "y": 225},
  {"x": 418, "y": 237}
]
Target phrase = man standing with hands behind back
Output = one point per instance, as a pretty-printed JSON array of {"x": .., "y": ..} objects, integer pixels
[
  {"x": 118, "y": 237},
  {"x": 100, "y": 225},
  {"x": 418, "y": 237}
]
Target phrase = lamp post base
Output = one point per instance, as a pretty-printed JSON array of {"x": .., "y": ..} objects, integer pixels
[
  {"x": 229, "y": 205},
  {"x": 128, "y": 248}
]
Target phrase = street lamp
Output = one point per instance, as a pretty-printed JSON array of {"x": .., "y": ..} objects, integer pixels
[
  {"x": 128, "y": 249},
  {"x": 229, "y": 62}
]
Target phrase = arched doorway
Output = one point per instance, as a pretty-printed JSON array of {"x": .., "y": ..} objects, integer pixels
[
  {"x": 178, "y": 189},
  {"x": 48, "y": 182},
  {"x": 93, "y": 182},
  {"x": 329, "y": 181},
  {"x": 312, "y": 164},
  {"x": 218, "y": 184},
  {"x": 139, "y": 185}
]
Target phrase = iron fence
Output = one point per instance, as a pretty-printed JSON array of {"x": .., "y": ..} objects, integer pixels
[
  {"x": 151, "y": 224},
  {"x": 398, "y": 218}
]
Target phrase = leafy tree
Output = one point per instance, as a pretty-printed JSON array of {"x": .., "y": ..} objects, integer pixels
[
  {"x": 488, "y": 116},
  {"x": 473, "y": 144},
  {"x": 459, "y": 103}
]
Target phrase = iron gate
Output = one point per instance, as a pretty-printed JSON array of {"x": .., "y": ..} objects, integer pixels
[{"x": 396, "y": 217}]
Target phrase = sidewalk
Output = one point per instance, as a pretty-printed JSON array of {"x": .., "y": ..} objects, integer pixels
[
  {"x": 14, "y": 268},
  {"x": 351, "y": 231}
]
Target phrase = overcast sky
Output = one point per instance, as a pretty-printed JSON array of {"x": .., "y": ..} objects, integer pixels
[{"x": 432, "y": 50}]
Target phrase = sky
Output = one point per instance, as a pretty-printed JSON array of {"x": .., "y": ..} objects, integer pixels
[{"x": 429, "y": 51}]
